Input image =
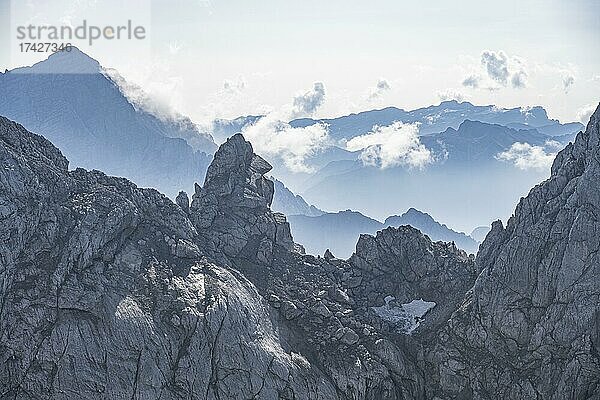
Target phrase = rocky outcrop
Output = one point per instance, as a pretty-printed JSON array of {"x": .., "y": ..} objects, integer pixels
[
  {"x": 183, "y": 201},
  {"x": 405, "y": 264},
  {"x": 530, "y": 327},
  {"x": 335, "y": 309},
  {"x": 105, "y": 293},
  {"x": 231, "y": 210},
  {"x": 435, "y": 230},
  {"x": 115, "y": 291}
]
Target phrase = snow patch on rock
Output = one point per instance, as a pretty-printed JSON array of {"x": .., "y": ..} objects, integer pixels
[{"x": 406, "y": 317}]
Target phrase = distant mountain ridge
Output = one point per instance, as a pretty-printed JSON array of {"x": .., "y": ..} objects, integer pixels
[
  {"x": 435, "y": 230},
  {"x": 437, "y": 118},
  {"x": 432, "y": 119},
  {"x": 466, "y": 183},
  {"x": 69, "y": 100},
  {"x": 339, "y": 232},
  {"x": 474, "y": 143},
  {"x": 85, "y": 113},
  {"x": 480, "y": 233},
  {"x": 288, "y": 203}
]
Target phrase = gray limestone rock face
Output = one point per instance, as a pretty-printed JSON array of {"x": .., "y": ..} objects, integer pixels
[
  {"x": 105, "y": 293},
  {"x": 530, "y": 327},
  {"x": 405, "y": 264},
  {"x": 112, "y": 291},
  {"x": 231, "y": 210},
  {"x": 183, "y": 201}
]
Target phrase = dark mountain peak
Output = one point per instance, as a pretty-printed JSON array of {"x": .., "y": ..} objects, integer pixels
[
  {"x": 536, "y": 111},
  {"x": 386, "y": 110},
  {"x": 408, "y": 252},
  {"x": 449, "y": 102},
  {"x": 594, "y": 120},
  {"x": 355, "y": 215},
  {"x": 545, "y": 261},
  {"x": 413, "y": 212},
  {"x": 453, "y": 104},
  {"x": 69, "y": 100},
  {"x": 468, "y": 125},
  {"x": 349, "y": 212}
]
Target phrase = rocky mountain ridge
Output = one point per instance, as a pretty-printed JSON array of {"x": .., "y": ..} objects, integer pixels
[
  {"x": 71, "y": 100},
  {"x": 435, "y": 230},
  {"x": 530, "y": 327},
  {"x": 109, "y": 290},
  {"x": 339, "y": 232}
]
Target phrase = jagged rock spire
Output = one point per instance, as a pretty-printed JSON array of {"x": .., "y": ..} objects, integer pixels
[
  {"x": 237, "y": 174},
  {"x": 233, "y": 205}
]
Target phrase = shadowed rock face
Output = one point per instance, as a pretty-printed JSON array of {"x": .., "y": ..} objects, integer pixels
[
  {"x": 530, "y": 328},
  {"x": 112, "y": 291},
  {"x": 404, "y": 263}
]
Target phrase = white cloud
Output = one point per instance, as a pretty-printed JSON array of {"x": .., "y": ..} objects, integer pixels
[
  {"x": 498, "y": 70},
  {"x": 451, "y": 94},
  {"x": 525, "y": 156},
  {"x": 306, "y": 103},
  {"x": 272, "y": 135},
  {"x": 234, "y": 86},
  {"x": 496, "y": 65},
  {"x": 471, "y": 81},
  {"x": 519, "y": 73},
  {"x": 389, "y": 146},
  {"x": 519, "y": 79},
  {"x": 379, "y": 89},
  {"x": 554, "y": 145},
  {"x": 568, "y": 81},
  {"x": 585, "y": 112},
  {"x": 156, "y": 98}
]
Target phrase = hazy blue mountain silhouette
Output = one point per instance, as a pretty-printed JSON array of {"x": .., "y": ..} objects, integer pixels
[
  {"x": 466, "y": 185},
  {"x": 480, "y": 233},
  {"x": 475, "y": 143},
  {"x": 435, "y": 230},
  {"x": 68, "y": 99},
  {"x": 339, "y": 232},
  {"x": 432, "y": 119},
  {"x": 288, "y": 203},
  {"x": 448, "y": 114}
]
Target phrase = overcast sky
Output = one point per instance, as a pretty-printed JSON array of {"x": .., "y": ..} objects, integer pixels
[{"x": 225, "y": 58}]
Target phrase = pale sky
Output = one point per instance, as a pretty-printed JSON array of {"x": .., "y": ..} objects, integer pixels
[{"x": 225, "y": 58}]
